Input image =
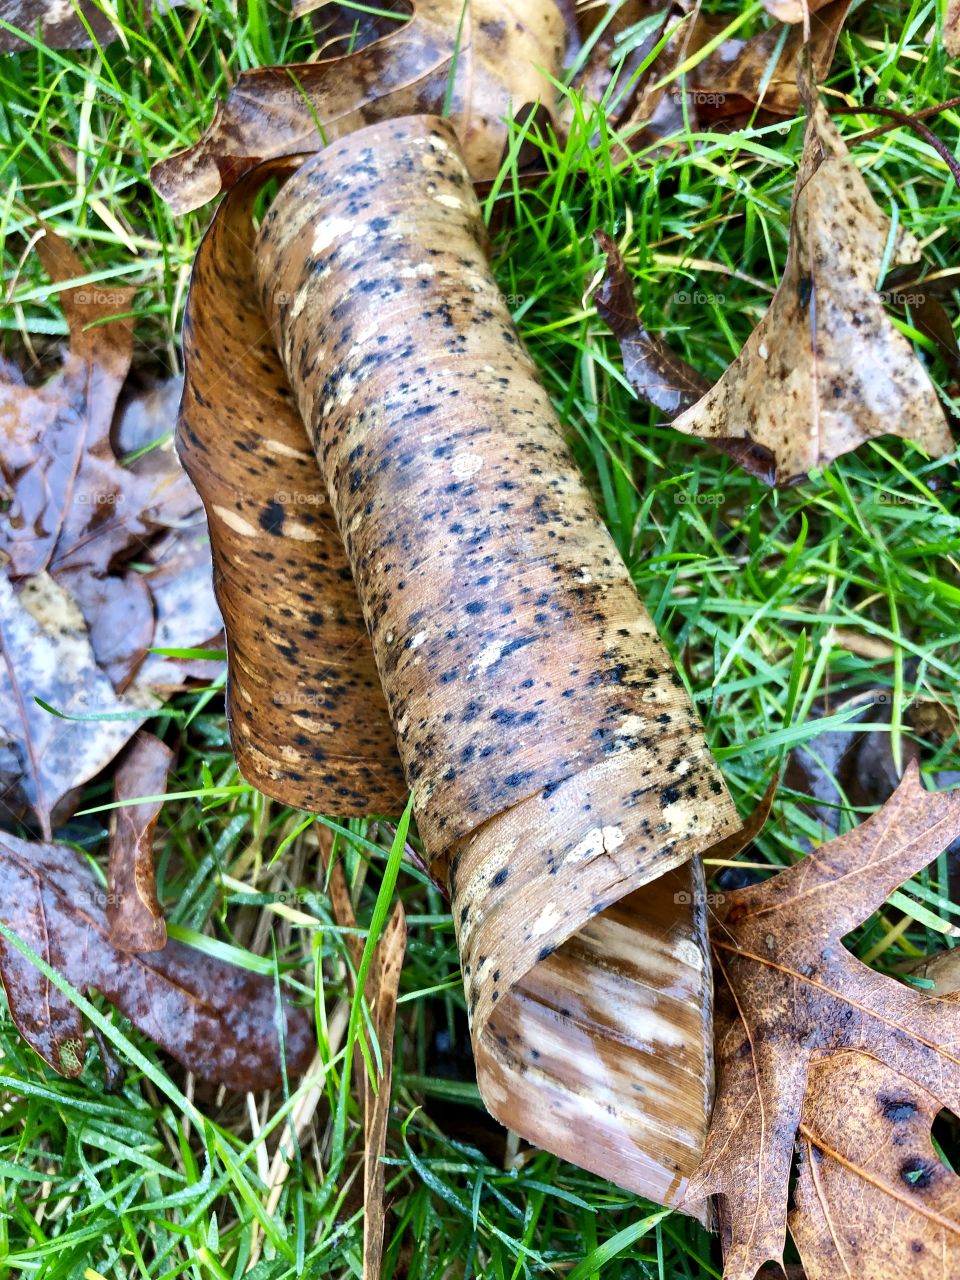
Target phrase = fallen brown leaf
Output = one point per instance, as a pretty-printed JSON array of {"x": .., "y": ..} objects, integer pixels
[
  {"x": 741, "y": 74},
  {"x": 496, "y": 60},
  {"x": 873, "y": 1199},
  {"x": 561, "y": 784},
  {"x": 216, "y": 1019},
  {"x": 942, "y": 968},
  {"x": 615, "y": 21},
  {"x": 951, "y": 29},
  {"x": 185, "y": 612},
  {"x": 852, "y": 765},
  {"x": 136, "y": 919},
  {"x": 72, "y": 505},
  {"x": 792, "y": 999},
  {"x": 656, "y": 373},
  {"x": 77, "y": 24},
  {"x": 736, "y": 78},
  {"x": 825, "y": 370},
  {"x": 308, "y": 721},
  {"x": 794, "y": 10}
]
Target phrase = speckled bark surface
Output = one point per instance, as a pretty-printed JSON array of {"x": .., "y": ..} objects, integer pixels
[{"x": 557, "y": 765}]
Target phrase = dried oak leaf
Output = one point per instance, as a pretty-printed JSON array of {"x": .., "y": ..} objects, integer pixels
[
  {"x": 216, "y": 1019},
  {"x": 825, "y": 369},
  {"x": 873, "y": 1199},
  {"x": 476, "y": 62},
  {"x": 792, "y": 999},
  {"x": 562, "y": 787}
]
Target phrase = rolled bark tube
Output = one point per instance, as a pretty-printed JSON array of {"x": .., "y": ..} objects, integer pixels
[{"x": 560, "y": 778}]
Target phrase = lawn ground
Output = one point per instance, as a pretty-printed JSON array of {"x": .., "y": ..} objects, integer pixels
[{"x": 775, "y": 605}]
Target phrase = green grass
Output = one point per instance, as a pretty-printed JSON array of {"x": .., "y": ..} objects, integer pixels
[{"x": 749, "y": 588}]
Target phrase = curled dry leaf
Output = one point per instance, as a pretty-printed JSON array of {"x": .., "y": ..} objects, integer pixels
[
  {"x": 216, "y": 1019},
  {"x": 826, "y": 369},
  {"x": 477, "y": 62},
  {"x": 656, "y": 373},
  {"x": 308, "y": 722},
  {"x": 561, "y": 784},
  {"x": 802, "y": 1024},
  {"x": 136, "y": 920}
]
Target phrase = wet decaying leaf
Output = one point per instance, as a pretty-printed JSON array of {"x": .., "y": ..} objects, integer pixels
[
  {"x": 216, "y": 1019},
  {"x": 45, "y": 651},
  {"x": 561, "y": 784},
  {"x": 847, "y": 766},
  {"x": 735, "y": 79},
  {"x": 598, "y": 31},
  {"x": 656, "y": 373},
  {"x": 78, "y": 618},
  {"x": 794, "y": 10},
  {"x": 761, "y": 70},
  {"x": 826, "y": 369},
  {"x": 74, "y": 24},
  {"x": 951, "y": 29},
  {"x": 812, "y": 1042},
  {"x": 73, "y": 506},
  {"x": 136, "y": 919},
  {"x": 477, "y": 62}
]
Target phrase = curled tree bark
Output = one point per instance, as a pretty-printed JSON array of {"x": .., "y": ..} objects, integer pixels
[{"x": 561, "y": 783}]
